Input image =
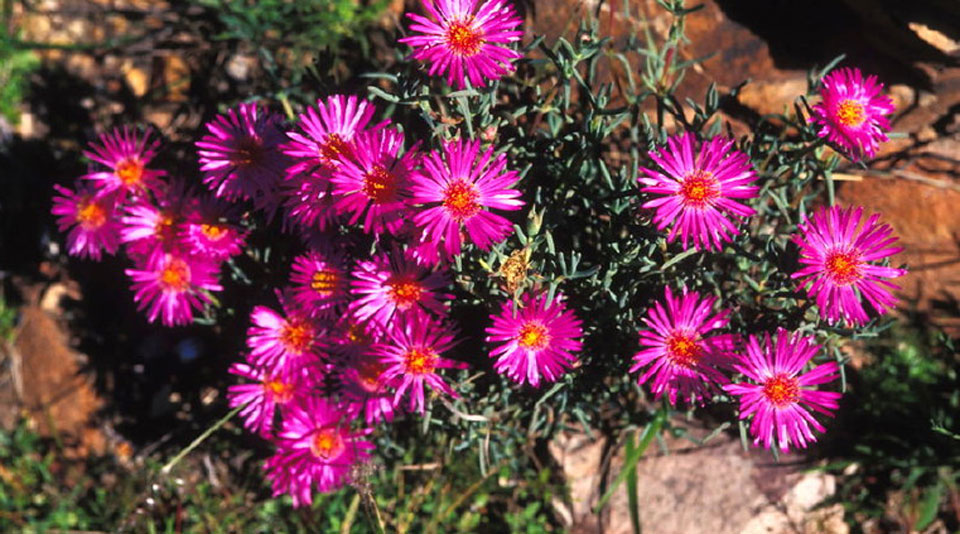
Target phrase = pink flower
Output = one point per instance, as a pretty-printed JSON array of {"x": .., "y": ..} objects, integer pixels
[
  {"x": 91, "y": 220},
  {"x": 314, "y": 448},
  {"x": 308, "y": 201},
  {"x": 320, "y": 283},
  {"x": 351, "y": 339},
  {"x": 538, "y": 341},
  {"x": 126, "y": 154},
  {"x": 328, "y": 134},
  {"x": 411, "y": 353},
  {"x": 683, "y": 359},
  {"x": 206, "y": 232},
  {"x": 837, "y": 253},
  {"x": 392, "y": 284},
  {"x": 780, "y": 396},
  {"x": 459, "y": 183},
  {"x": 696, "y": 189},
  {"x": 374, "y": 185},
  {"x": 240, "y": 156},
  {"x": 263, "y": 396},
  {"x": 283, "y": 344},
  {"x": 363, "y": 390},
  {"x": 172, "y": 286},
  {"x": 852, "y": 112},
  {"x": 149, "y": 229},
  {"x": 466, "y": 39}
]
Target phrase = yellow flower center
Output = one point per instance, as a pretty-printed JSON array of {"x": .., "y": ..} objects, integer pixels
[
  {"x": 405, "y": 292},
  {"x": 782, "y": 390},
  {"x": 296, "y": 336},
  {"x": 357, "y": 335},
  {"x": 460, "y": 199},
  {"x": 130, "y": 172},
  {"x": 175, "y": 275},
  {"x": 850, "y": 113},
  {"x": 419, "y": 361},
  {"x": 213, "y": 232},
  {"x": 533, "y": 336},
  {"x": 334, "y": 148},
  {"x": 278, "y": 391},
  {"x": 843, "y": 268},
  {"x": 324, "y": 282},
  {"x": 327, "y": 443},
  {"x": 380, "y": 185},
  {"x": 699, "y": 189},
  {"x": 683, "y": 350},
  {"x": 90, "y": 214},
  {"x": 463, "y": 39}
]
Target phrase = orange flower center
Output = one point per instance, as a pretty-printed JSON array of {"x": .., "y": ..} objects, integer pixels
[
  {"x": 213, "y": 232},
  {"x": 357, "y": 335},
  {"x": 278, "y": 391},
  {"x": 405, "y": 292},
  {"x": 683, "y": 350},
  {"x": 699, "y": 189},
  {"x": 334, "y": 148},
  {"x": 296, "y": 336},
  {"x": 327, "y": 443},
  {"x": 463, "y": 39},
  {"x": 533, "y": 336},
  {"x": 782, "y": 390},
  {"x": 419, "y": 361},
  {"x": 324, "y": 282},
  {"x": 130, "y": 172},
  {"x": 164, "y": 225},
  {"x": 380, "y": 185},
  {"x": 368, "y": 373},
  {"x": 175, "y": 275},
  {"x": 460, "y": 199},
  {"x": 248, "y": 152},
  {"x": 843, "y": 268},
  {"x": 90, "y": 214},
  {"x": 850, "y": 113}
]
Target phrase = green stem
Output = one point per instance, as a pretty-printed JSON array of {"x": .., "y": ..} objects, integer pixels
[
  {"x": 633, "y": 456},
  {"x": 200, "y": 439}
]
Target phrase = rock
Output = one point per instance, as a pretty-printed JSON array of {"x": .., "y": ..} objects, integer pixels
[{"x": 716, "y": 488}]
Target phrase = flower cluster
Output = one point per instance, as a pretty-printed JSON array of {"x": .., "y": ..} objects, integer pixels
[{"x": 362, "y": 331}]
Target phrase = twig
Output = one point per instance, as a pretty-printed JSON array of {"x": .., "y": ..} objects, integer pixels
[{"x": 206, "y": 434}]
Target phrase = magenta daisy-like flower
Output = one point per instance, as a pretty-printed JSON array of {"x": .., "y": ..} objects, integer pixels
[
  {"x": 780, "y": 397},
  {"x": 308, "y": 201},
  {"x": 683, "y": 359},
  {"x": 411, "y": 353},
  {"x": 373, "y": 186},
  {"x": 283, "y": 344},
  {"x": 457, "y": 184},
  {"x": 466, "y": 39},
  {"x": 315, "y": 448},
  {"x": 320, "y": 283},
  {"x": 837, "y": 253},
  {"x": 363, "y": 391},
  {"x": 240, "y": 156},
  {"x": 262, "y": 396},
  {"x": 698, "y": 190},
  {"x": 206, "y": 232},
  {"x": 89, "y": 219},
  {"x": 351, "y": 339},
  {"x": 328, "y": 133},
  {"x": 126, "y": 153},
  {"x": 852, "y": 112},
  {"x": 172, "y": 286},
  {"x": 149, "y": 228},
  {"x": 392, "y": 284},
  {"x": 537, "y": 342}
]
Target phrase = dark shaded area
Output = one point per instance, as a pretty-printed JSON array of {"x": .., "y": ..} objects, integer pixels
[{"x": 873, "y": 34}]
